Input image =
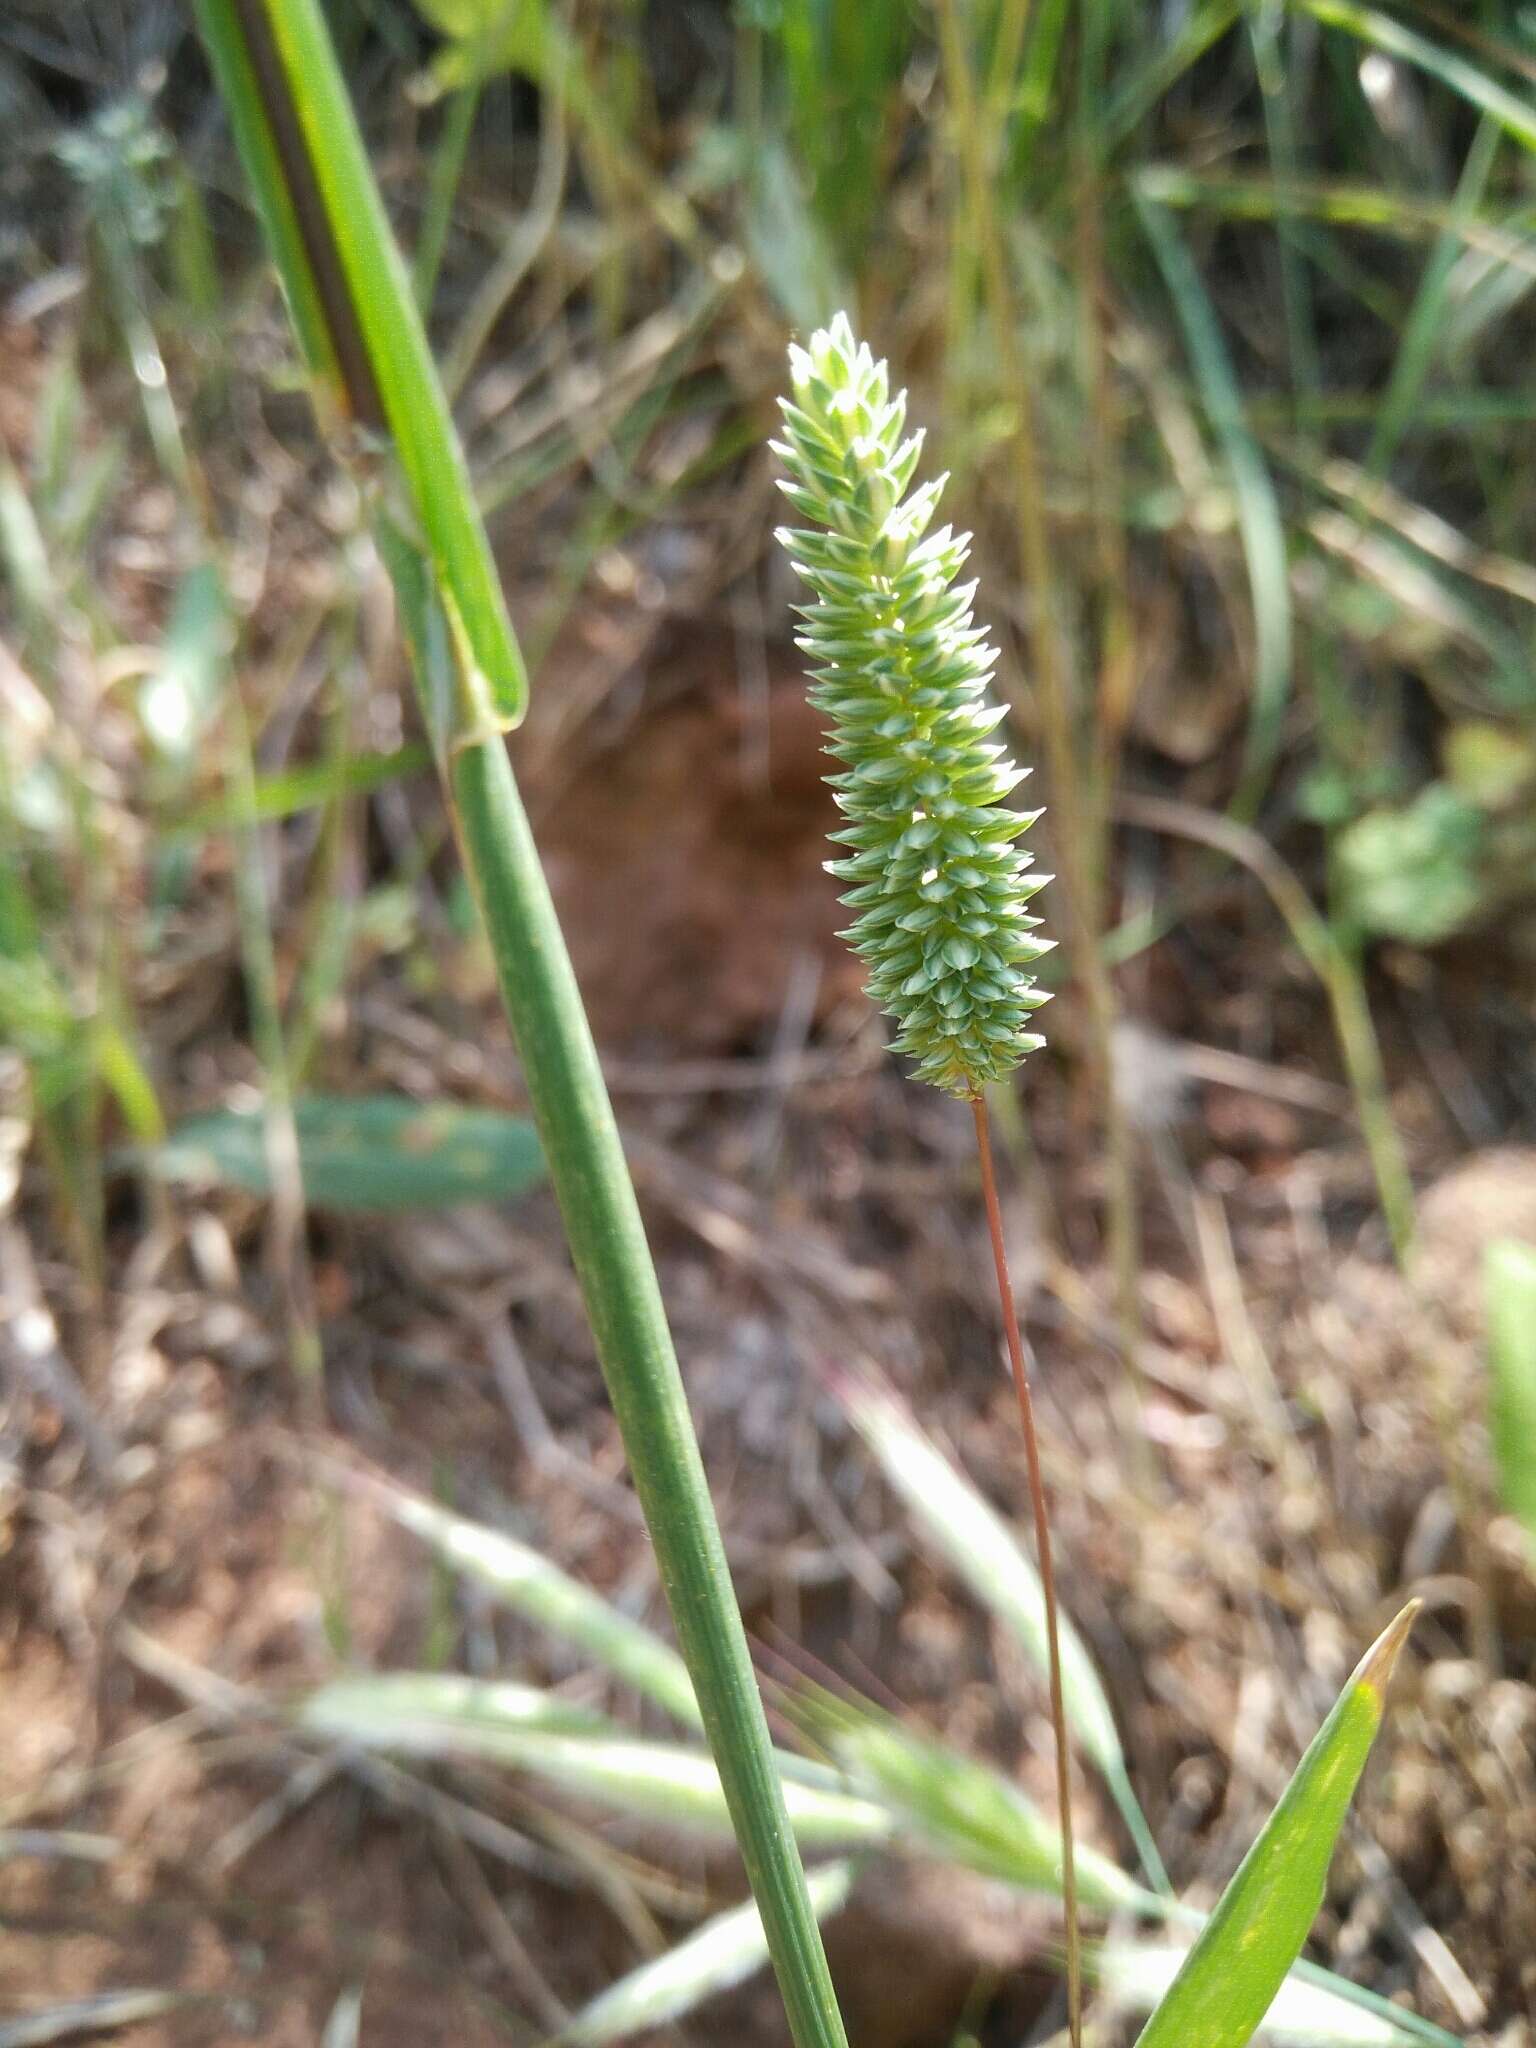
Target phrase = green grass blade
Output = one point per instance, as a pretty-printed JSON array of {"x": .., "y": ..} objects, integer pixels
[
  {"x": 1258, "y": 510},
  {"x": 966, "y": 1530},
  {"x": 1369, "y": 25},
  {"x": 523, "y": 1578},
  {"x": 303, "y": 153},
  {"x": 303, "y": 788},
  {"x": 1510, "y": 1280},
  {"x": 1424, "y": 329},
  {"x": 722, "y": 1953},
  {"x": 958, "y": 1808},
  {"x": 1242, "y": 1956},
  {"x": 442, "y": 1714}
]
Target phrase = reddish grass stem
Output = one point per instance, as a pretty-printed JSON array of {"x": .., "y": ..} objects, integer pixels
[{"x": 1047, "y": 1570}]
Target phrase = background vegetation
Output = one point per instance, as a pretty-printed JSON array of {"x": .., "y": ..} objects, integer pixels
[{"x": 1220, "y": 318}]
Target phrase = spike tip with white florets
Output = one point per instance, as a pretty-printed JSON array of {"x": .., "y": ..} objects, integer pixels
[{"x": 900, "y": 671}]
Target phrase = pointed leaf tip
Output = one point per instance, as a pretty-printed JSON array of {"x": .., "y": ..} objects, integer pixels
[{"x": 1375, "y": 1668}]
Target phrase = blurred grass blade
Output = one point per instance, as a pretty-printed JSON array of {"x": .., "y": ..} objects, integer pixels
[
  {"x": 1243, "y": 1953},
  {"x": 303, "y": 788},
  {"x": 964, "y": 1528},
  {"x": 722, "y": 1953},
  {"x": 1135, "y": 1975},
  {"x": 1394, "y": 39},
  {"x": 437, "y": 1714},
  {"x": 102, "y": 2012},
  {"x": 524, "y": 1579},
  {"x": 1425, "y": 328},
  {"x": 1510, "y": 1282},
  {"x": 179, "y": 698},
  {"x": 1258, "y": 510},
  {"x": 962, "y": 1810},
  {"x": 364, "y": 1153},
  {"x": 296, "y": 130}
]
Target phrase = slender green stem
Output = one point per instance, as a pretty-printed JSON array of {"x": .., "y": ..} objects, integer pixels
[
  {"x": 442, "y": 189},
  {"x": 1041, "y": 1510},
  {"x": 618, "y": 1280}
]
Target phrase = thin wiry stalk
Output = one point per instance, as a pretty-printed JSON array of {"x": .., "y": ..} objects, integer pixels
[{"x": 1040, "y": 1507}]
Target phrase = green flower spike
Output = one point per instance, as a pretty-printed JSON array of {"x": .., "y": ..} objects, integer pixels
[{"x": 901, "y": 672}]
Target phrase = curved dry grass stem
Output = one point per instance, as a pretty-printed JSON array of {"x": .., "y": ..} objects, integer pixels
[{"x": 1047, "y": 1569}]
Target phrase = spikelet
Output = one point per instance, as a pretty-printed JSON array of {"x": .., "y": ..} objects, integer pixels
[{"x": 900, "y": 671}]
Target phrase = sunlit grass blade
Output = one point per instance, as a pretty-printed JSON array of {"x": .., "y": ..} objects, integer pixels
[
  {"x": 1258, "y": 509},
  {"x": 965, "y": 1529},
  {"x": 722, "y": 1953},
  {"x": 523, "y": 1578},
  {"x": 357, "y": 316},
  {"x": 1246, "y": 1948},
  {"x": 1395, "y": 39},
  {"x": 959, "y": 1809},
  {"x": 1510, "y": 1283},
  {"x": 442, "y": 1714}
]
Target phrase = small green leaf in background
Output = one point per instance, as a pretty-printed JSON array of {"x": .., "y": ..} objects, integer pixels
[
  {"x": 1412, "y": 874},
  {"x": 722, "y": 1953},
  {"x": 1510, "y": 1280},
  {"x": 1239, "y": 1962},
  {"x": 381, "y": 1153}
]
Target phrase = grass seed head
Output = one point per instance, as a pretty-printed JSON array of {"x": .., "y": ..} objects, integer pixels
[{"x": 900, "y": 671}]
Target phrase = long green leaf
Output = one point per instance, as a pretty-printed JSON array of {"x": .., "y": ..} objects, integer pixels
[
  {"x": 957, "y": 1808},
  {"x": 1512, "y": 112},
  {"x": 525, "y": 1579},
  {"x": 1510, "y": 1281},
  {"x": 362, "y": 1153},
  {"x": 1241, "y": 1958},
  {"x": 964, "y": 1528},
  {"x": 1258, "y": 509},
  {"x": 346, "y": 278}
]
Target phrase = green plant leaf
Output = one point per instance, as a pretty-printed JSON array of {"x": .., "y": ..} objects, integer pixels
[
  {"x": 364, "y": 1152},
  {"x": 438, "y": 1714},
  {"x": 962, "y": 1527},
  {"x": 1510, "y": 1281},
  {"x": 303, "y": 788},
  {"x": 1242, "y": 1955},
  {"x": 724, "y": 1952},
  {"x": 958, "y": 1808},
  {"x": 1412, "y": 873},
  {"x": 1258, "y": 508},
  {"x": 357, "y": 316}
]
